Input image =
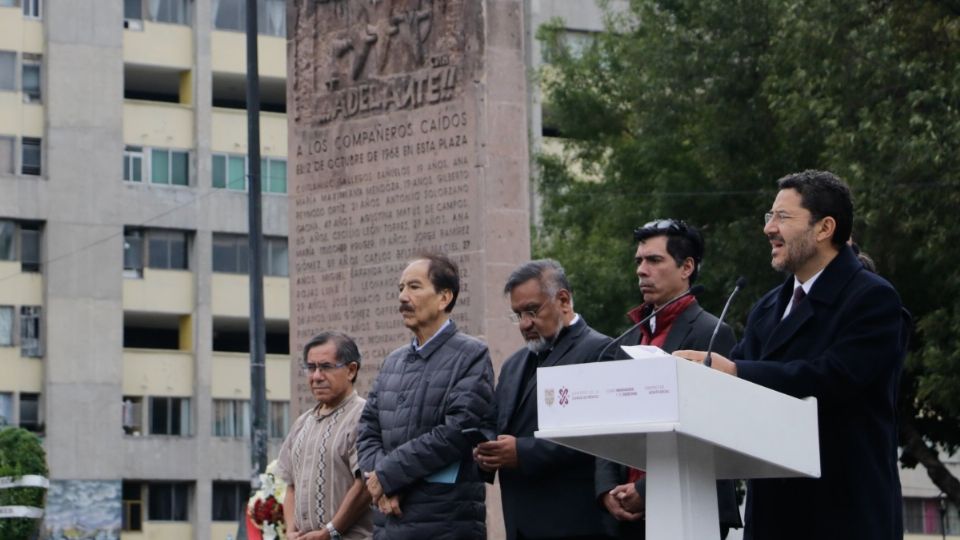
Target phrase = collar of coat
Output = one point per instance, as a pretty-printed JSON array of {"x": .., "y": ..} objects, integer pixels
[{"x": 434, "y": 342}]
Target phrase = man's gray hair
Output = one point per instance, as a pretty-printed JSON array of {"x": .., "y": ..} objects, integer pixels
[{"x": 551, "y": 275}]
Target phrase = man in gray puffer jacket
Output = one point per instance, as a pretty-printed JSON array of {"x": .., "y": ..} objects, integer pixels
[{"x": 417, "y": 461}]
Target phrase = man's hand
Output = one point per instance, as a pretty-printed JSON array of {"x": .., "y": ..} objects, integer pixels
[
  {"x": 501, "y": 453},
  {"x": 717, "y": 361},
  {"x": 483, "y": 466},
  {"x": 616, "y": 510},
  {"x": 390, "y": 506},
  {"x": 374, "y": 487},
  {"x": 629, "y": 499}
]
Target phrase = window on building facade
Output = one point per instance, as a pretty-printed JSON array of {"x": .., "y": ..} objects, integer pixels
[
  {"x": 6, "y": 326},
  {"x": 133, "y": 10},
  {"x": 31, "y": 344},
  {"x": 153, "y": 248},
  {"x": 30, "y": 156},
  {"x": 29, "y": 247},
  {"x": 230, "y": 255},
  {"x": 7, "y": 154},
  {"x": 132, "y": 415},
  {"x": 167, "y": 501},
  {"x": 30, "y": 412},
  {"x": 275, "y": 262},
  {"x": 169, "y": 167},
  {"x": 169, "y": 11},
  {"x": 274, "y": 174},
  {"x": 278, "y": 419},
  {"x": 229, "y": 500},
  {"x": 927, "y": 516},
  {"x": 8, "y": 70},
  {"x": 30, "y": 78},
  {"x": 169, "y": 416},
  {"x": 8, "y": 234},
  {"x": 231, "y": 417},
  {"x": 31, "y": 8},
  {"x": 232, "y": 15},
  {"x": 167, "y": 249},
  {"x": 132, "y": 493},
  {"x": 6, "y": 409},
  {"x": 229, "y": 172},
  {"x": 133, "y": 163},
  {"x": 20, "y": 241}
]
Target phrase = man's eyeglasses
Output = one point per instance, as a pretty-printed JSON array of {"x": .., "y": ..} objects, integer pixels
[
  {"x": 309, "y": 369},
  {"x": 661, "y": 225},
  {"x": 779, "y": 216},
  {"x": 531, "y": 314}
]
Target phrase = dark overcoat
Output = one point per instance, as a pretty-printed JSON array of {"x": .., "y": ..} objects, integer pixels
[
  {"x": 550, "y": 495},
  {"x": 844, "y": 345}
]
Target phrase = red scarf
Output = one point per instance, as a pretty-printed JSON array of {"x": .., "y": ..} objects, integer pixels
[{"x": 664, "y": 320}]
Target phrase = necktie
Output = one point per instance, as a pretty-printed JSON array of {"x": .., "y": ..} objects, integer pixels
[{"x": 798, "y": 295}]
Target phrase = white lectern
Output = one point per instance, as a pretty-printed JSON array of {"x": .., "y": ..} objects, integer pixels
[{"x": 686, "y": 425}]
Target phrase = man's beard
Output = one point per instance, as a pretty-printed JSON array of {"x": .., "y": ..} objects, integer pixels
[
  {"x": 799, "y": 251},
  {"x": 539, "y": 344}
]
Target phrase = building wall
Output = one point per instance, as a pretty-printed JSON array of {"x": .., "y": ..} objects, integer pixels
[{"x": 84, "y": 206}]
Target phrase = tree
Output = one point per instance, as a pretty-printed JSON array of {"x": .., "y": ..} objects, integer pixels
[
  {"x": 20, "y": 454},
  {"x": 693, "y": 109}
]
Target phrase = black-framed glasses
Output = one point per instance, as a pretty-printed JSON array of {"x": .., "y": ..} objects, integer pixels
[
  {"x": 666, "y": 225},
  {"x": 531, "y": 314},
  {"x": 310, "y": 369}
]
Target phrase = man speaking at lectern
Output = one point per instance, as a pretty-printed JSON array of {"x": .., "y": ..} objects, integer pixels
[{"x": 832, "y": 330}]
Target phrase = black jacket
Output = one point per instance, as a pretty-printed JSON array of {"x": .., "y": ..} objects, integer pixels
[
  {"x": 550, "y": 495},
  {"x": 411, "y": 428},
  {"x": 843, "y": 344}
]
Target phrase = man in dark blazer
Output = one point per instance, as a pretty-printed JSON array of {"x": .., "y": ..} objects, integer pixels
[
  {"x": 547, "y": 490},
  {"x": 834, "y": 331},
  {"x": 669, "y": 253}
]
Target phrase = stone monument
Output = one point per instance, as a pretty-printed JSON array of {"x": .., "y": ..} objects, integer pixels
[{"x": 407, "y": 132}]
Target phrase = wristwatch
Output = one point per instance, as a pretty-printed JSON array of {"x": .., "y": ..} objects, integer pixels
[{"x": 334, "y": 533}]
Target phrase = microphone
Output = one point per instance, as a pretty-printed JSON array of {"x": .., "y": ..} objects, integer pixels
[
  {"x": 695, "y": 290},
  {"x": 741, "y": 283}
]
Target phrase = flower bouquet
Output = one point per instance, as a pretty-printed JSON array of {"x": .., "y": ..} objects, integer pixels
[{"x": 265, "y": 508}]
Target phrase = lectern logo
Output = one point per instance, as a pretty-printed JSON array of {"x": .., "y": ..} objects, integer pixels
[
  {"x": 564, "y": 396},
  {"x": 548, "y": 396}
]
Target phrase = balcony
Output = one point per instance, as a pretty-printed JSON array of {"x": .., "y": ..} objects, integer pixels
[
  {"x": 231, "y": 376},
  {"x": 231, "y": 296},
  {"x": 229, "y": 132},
  {"x": 157, "y": 372},
  {"x": 160, "y": 291},
  {"x": 161, "y": 125},
  {"x": 159, "y": 44},
  {"x": 229, "y": 54},
  {"x": 18, "y": 33},
  {"x": 21, "y": 288}
]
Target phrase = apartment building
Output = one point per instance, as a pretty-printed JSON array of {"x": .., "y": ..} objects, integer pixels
[{"x": 123, "y": 270}]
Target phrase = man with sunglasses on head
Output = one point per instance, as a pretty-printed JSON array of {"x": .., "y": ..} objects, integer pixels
[
  {"x": 668, "y": 258},
  {"x": 835, "y": 331},
  {"x": 326, "y": 497},
  {"x": 547, "y": 490}
]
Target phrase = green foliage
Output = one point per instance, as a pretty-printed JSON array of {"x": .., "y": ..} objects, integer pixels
[
  {"x": 693, "y": 109},
  {"x": 20, "y": 454}
]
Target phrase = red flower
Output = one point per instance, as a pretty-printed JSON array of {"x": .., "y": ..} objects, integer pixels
[{"x": 267, "y": 510}]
